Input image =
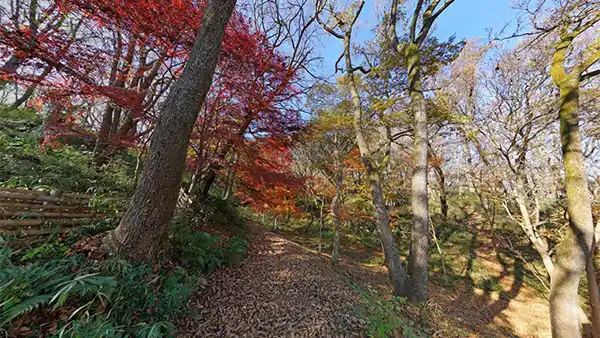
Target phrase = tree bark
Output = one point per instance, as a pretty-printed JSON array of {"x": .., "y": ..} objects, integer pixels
[
  {"x": 208, "y": 181},
  {"x": 321, "y": 224},
  {"x": 116, "y": 121},
  {"x": 212, "y": 169},
  {"x": 573, "y": 252},
  {"x": 419, "y": 245},
  {"x": 229, "y": 178},
  {"x": 593, "y": 295},
  {"x": 107, "y": 116},
  {"x": 142, "y": 230}
]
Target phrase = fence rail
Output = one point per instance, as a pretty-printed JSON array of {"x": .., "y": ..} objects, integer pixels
[{"x": 35, "y": 212}]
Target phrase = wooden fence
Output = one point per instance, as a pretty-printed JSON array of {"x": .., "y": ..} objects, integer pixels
[{"x": 33, "y": 212}]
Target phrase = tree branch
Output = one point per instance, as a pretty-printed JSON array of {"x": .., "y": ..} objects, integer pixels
[
  {"x": 331, "y": 30},
  {"x": 589, "y": 75},
  {"x": 415, "y": 19}
]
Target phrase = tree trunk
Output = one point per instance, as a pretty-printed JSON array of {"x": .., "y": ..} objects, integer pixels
[
  {"x": 388, "y": 240},
  {"x": 439, "y": 174},
  {"x": 103, "y": 134},
  {"x": 142, "y": 230},
  {"x": 593, "y": 296},
  {"x": 419, "y": 245},
  {"x": 540, "y": 244},
  {"x": 574, "y": 251},
  {"x": 335, "y": 214},
  {"x": 308, "y": 226},
  {"x": 321, "y": 224},
  {"x": 138, "y": 166},
  {"x": 229, "y": 178},
  {"x": 107, "y": 116},
  {"x": 208, "y": 181},
  {"x": 116, "y": 121}
]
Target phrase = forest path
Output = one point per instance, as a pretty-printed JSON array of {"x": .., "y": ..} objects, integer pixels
[
  {"x": 281, "y": 290},
  {"x": 286, "y": 290}
]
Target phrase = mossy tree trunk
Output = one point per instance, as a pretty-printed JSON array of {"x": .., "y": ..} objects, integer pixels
[{"x": 575, "y": 250}]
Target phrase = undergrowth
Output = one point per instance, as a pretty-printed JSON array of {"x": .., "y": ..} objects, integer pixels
[
  {"x": 24, "y": 163},
  {"x": 46, "y": 290},
  {"x": 387, "y": 318},
  {"x": 200, "y": 251}
]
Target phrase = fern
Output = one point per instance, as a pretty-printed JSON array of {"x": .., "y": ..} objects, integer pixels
[
  {"x": 112, "y": 298},
  {"x": 5, "y": 253},
  {"x": 23, "y": 307},
  {"x": 82, "y": 286}
]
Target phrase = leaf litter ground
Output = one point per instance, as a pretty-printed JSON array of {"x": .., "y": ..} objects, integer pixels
[{"x": 286, "y": 290}]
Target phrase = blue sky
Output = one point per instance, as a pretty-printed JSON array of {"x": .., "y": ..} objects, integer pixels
[{"x": 464, "y": 18}]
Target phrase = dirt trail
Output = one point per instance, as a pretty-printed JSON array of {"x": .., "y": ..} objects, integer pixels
[
  {"x": 286, "y": 290},
  {"x": 282, "y": 290}
]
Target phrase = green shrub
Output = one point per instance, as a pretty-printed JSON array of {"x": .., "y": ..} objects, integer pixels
[
  {"x": 202, "y": 252},
  {"x": 384, "y": 317}
]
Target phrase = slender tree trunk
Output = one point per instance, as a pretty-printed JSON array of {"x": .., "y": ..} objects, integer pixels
[
  {"x": 540, "y": 244},
  {"x": 321, "y": 224},
  {"x": 107, "y": 116},
  {"x": 388, "y": 240},
  {"x": 116, "y": 121},
  {"x": 335, "y": 214},
  {"x": 211, "y": 174},
  {"x": 208, "y": 181},
  {"x": 419, "y": 245},
  {"x": 308, "y": 226},
  {"x": 142, "y": 230},
  {"x": 229, "y": 178},
  {"x": 439, "y": 174},
  {"x": 574, "y": 251},
  {"x": 138, "y": 166},
  {"x": 103, "y": 134}
]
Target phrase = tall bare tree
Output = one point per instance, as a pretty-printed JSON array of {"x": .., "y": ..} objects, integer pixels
[
  {"x": 574, "y": 254},
  {"x": 340, "y": 25},
  {"x": 425, "y": 14}
]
